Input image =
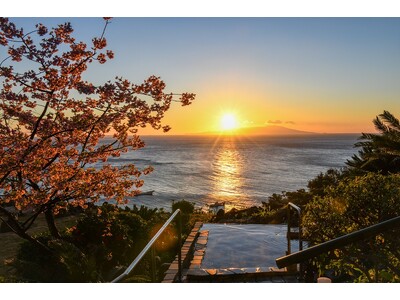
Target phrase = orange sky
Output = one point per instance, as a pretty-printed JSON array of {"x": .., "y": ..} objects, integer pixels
[
  {"x": 325, "y": 75},
  {"x": 305, "y": 113}
]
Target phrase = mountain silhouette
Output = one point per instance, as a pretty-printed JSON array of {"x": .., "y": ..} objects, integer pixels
[
  {"x": 270, "y": 130},
  {"x": 262, "y": 130}
]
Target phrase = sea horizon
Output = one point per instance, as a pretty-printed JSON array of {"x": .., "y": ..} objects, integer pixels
[{"x": 241, "y": 171}]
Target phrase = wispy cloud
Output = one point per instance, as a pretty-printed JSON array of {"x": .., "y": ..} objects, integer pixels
[
  {"x": 247, "y": 123},
  {"x": 274, "y": 122}
]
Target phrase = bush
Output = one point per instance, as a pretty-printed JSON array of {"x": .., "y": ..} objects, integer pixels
[
  {"x": 67, "y": 264},
  {"x": 186, "y": 207},
  {"x": 102, "y": 243},
  {"x": 146, "y": 213},
  {"x": 111, "y": 238},
  {"x": 356, "y": 203}
]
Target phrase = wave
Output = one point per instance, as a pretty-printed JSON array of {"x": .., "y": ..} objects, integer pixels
[
  {"x": 204, "y": 171},
  {"x": 138, "y": 160}
]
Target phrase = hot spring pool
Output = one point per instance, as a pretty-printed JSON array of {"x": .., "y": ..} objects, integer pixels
[{"x": 244, "y": 245}]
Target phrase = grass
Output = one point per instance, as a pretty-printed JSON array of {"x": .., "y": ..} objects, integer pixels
[{"x": 10, "y": 242}]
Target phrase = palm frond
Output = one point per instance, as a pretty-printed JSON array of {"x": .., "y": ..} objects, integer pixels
[
  {"x": 390, "y": 119},
  {"x": 379, "y": 152},
  {"x": 380, "y": 126}
]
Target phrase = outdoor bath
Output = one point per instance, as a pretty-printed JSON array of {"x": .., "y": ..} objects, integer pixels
[{"x": 243, "y": 245}]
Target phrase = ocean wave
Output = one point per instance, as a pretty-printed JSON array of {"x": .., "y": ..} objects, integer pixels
[
  {"x": 150, "y": 162},
  {"x": 204, "y": 171}
]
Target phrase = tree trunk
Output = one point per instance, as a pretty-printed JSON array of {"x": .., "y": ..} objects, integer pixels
[
  {"x": 38, "y": 244},
  {"x": 15, "y": 226},
  {"x": 51, "y": 224}
]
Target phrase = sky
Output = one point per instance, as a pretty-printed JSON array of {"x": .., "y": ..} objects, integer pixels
[{"x": 327, "y": 75}]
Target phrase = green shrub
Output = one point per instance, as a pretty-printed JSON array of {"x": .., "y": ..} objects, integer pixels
[
  {"x": 186, "y": 207},
  {"x": 103, "y": 242},
  {"x": 67, "y": 263},
  {"x": 356, "y": 203},
  {"x": 111, "y": 238},
  {"x": 145, "y": 212}
]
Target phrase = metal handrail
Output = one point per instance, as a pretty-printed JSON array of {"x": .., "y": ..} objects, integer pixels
[
  {"x": 336, "y": 243},
  {"x": 150, "y": 246},
  {"x": 298, "y": 209}
]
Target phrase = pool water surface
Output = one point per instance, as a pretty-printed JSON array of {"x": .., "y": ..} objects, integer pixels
[{"x": 244, "y": 245}]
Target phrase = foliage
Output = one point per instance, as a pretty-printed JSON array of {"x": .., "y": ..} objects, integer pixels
[
  {"x": 186, "y": 207},
  {"x": 69, "y": 265},
  {"x": 111, "y": 238},
  {"x": 323, "y": 181},
  {"x": 102, "y": 243},
  {"x": 52, "y": 122},
  {"x": 345, "y": 201},
  {"x": 274, "y": 210},
  {"x": 145, "y": 212},
  {"x": 353, "y": 204},
  {"x": 379, "y": 152},
  {"x": 266, "y": 215}
]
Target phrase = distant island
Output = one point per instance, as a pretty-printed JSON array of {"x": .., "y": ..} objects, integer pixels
[{"x": 262, "y": 130}]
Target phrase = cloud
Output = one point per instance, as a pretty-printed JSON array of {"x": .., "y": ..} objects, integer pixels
[
  {"x": 274, "y": 122},
  {"x": 247, "y": 123}
]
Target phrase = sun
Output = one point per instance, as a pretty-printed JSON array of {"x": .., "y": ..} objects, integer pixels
[{"x": 228, "y": 122}]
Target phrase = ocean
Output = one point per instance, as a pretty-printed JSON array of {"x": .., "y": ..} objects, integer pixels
[{"x": 240, "y": 171}]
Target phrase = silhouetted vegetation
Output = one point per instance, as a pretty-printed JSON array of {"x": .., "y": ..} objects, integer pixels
[
  {"x": 353, "y": 204},
  {"x": 104, "y": 241},
  {"x": 379, "y": 152},
  {"x": 364, "y": 194}
]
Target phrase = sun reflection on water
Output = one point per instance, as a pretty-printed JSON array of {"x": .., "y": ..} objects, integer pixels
[{"x": 227, "y": 173}]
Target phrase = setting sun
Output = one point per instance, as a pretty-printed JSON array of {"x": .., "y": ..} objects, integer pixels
[{"x": 228, "y": 122}]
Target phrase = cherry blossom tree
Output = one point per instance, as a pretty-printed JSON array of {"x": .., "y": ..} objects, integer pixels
[{"x": 51, "y": 122}]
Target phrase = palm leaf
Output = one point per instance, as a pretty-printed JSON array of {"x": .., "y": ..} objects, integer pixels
[
  {"x": 380, "y": 126},
  {"x": 379, "y": 152},
  {"x": 391, "y": 120}
]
